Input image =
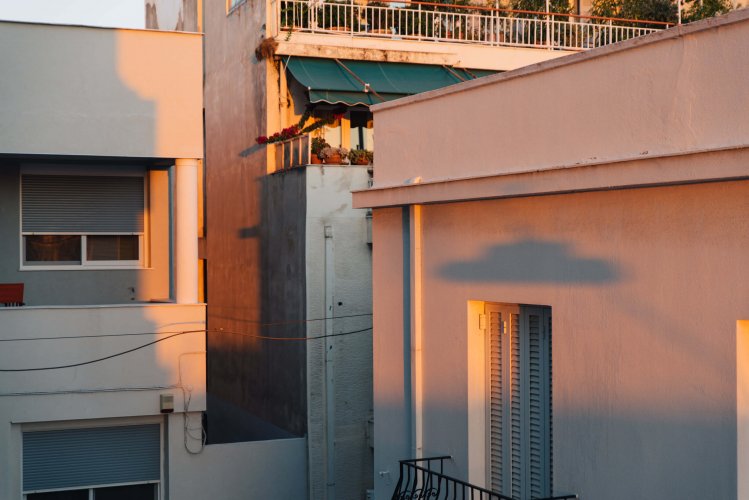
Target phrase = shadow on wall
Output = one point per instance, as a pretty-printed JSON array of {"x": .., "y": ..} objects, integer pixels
[{"x": 532, "y": 261}]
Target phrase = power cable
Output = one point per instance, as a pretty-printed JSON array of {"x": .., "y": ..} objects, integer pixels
[
  {"x": 278, "y": 323},
  {"x": 262, "y": 337}
]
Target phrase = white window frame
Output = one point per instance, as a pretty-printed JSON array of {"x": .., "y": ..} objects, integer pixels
[
  {"x": 85, "y": 265},
  {"x": 95, "y": 487}
]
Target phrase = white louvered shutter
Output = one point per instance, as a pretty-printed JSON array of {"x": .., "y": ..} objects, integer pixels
[{"x": 519, "y": 371}]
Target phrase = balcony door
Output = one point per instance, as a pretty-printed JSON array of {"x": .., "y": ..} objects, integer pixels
[{"x": 519, "y": 409}]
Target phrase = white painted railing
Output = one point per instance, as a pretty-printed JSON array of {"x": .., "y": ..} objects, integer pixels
[
  {"x": 454, "y": 23},
  {"x": 292, "y": 152}
]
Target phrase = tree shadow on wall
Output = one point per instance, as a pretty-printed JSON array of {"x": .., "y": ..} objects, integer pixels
[{"x": 531, "y": 261}]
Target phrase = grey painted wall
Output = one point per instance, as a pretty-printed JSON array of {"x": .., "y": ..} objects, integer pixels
[
  {"x": 80, "y": 287},
  {"x": 103, "y": 92}
]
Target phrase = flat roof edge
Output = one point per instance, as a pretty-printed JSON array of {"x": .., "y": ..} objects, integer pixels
[
  {"x": 59, "y": 25},
  {"x": 733, "y": 17}
]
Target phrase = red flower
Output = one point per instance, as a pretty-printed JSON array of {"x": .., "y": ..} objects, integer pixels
[{"x": 262, "y": 140}]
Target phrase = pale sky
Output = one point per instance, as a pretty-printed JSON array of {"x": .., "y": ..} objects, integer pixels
[{"x": 109, "y": 13}]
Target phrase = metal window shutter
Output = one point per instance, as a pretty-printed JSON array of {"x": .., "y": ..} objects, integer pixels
[
  {"x": 517, "y": 410},
  {"x": 82, "y": 204},
  {"x": 72, "y": 458},
  {"x": 537, "y": 431},
  {"x": 495, "y": 401}
]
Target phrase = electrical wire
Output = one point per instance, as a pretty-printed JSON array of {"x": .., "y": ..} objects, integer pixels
[
  {"x": 292, "y": 339},
  {"x": 261, "y": 337},
  {"x": 73, "y": 365},
  {"x": 278, "y": 323}
]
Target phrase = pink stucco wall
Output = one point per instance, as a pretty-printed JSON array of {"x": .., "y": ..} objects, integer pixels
[
  {"x": 675, "y": 91},
  {"x": 637, "y": 242}
]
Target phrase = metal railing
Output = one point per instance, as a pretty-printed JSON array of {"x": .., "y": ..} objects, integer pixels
[
  {"x": 426, "y": 482},
  {"x": 427, "y": 21}
]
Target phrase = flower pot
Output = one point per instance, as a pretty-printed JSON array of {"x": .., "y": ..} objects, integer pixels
[
  {"x": 314, "y": 159},
  {"x": 361, "y": 161},
  {"x": 334, "y": 159}
]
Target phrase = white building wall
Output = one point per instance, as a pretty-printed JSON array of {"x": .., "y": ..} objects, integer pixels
[
  {"x": 329, "y": 205},
  {"x": 121, "y": 390}
]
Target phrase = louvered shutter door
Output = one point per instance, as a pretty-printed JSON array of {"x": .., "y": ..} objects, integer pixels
[
  {"x": 496, "y": 400},
  {"x": 520, "y": 400},
  {"x": 517, "y": 416},
  {"x": 73, "y": 458},
  {"x": 82, "y": 204}
]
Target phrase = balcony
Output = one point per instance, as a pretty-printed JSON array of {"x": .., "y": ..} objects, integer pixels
[
  {"x": 424, "y": 478},
  {"x": 459, "y": 24}
]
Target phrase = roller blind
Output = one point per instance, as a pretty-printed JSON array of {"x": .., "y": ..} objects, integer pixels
[
  {"x": 82, "y": 204},
  {"x": 72, "y": 458}
]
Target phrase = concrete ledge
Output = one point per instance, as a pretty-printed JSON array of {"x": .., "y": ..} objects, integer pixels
[{"x": 680, "y": 168}]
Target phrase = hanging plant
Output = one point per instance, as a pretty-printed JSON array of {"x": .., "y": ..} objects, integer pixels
[{"x": 299, "y": 128}]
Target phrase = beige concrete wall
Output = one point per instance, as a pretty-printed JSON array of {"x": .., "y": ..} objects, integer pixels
[
  {"x": 100, "y": 92},
  {"x": 645, "y": 288},
  {"x": 631, "y": 100}
]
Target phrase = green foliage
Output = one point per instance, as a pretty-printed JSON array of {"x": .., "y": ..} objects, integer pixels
[
  {"x": 646, "y": 10},
  {"x": 660, "y": 10},
  {"x": 561, "y": 6},
  {"x": 704, "y": 9}
]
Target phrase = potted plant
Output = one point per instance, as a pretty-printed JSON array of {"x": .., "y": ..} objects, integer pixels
[
  {"x": 333, "y": 156},
  {"x": 361, "y": 157},
  {"x": 318, "y": 144}
]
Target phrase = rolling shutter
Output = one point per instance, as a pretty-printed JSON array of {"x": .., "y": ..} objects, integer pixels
[
  {"x": 519, "y": 366},
  {"x": 73, "y": 458},
  {"x": 82, "y": 204}
]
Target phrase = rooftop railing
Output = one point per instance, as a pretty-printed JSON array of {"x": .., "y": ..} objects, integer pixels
[{"x": 437, "y": 22}]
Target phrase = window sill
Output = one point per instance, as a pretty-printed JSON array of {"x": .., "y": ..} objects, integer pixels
[{"x": 86, "y": 268}]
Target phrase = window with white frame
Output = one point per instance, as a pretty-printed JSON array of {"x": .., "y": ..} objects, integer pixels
[
  {"x": 79, "y": 221},
  {"x": 519, "y": 451},
  {"x": 99, "y": 463}
]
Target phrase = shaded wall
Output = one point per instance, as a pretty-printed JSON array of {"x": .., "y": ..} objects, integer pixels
[
  {"x": 645, "y": 288},
  {"x": 281, "y": 377},
  {"x": 240, "y": 369}
]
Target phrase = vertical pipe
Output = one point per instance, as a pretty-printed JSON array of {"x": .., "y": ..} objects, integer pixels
[
  {"x": 329, "y": 369},
  {"x": 410, "y": 447},
  {"x": 416, "y": 330}
]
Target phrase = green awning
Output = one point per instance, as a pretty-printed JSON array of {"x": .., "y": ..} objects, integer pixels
[{"x": 360, "y": 82}]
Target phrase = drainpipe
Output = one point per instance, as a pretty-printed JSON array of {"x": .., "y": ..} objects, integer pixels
[
  {"x": 329, "y": 369},
  {"x": 416, "y": 332}
]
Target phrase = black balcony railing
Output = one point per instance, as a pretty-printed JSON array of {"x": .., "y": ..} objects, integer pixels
[{"x": 428, "y": 482}]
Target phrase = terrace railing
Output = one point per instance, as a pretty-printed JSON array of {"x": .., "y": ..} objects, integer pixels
[
  {"x": 294, "y": 152},
  {"x": 424, "y": 478},
  {"x": 427, "y": 21}
]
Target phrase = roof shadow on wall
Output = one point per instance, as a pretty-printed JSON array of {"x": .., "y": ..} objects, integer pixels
[{"x": 532, "y": 261}]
